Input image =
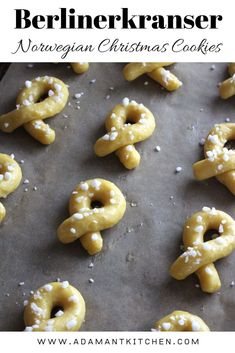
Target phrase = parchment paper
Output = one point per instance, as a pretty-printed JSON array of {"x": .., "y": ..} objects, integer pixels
[{"x": 132, "y": 287}]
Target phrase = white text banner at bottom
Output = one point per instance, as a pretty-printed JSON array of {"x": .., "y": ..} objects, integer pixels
[{"x": 113, "y": 342}]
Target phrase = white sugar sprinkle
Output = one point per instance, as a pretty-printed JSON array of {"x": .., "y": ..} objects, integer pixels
[
  {"x": 28, "y": 84},
  {"x": 221, "y": 228},
  {"x": 94, "y": 237},
  {"x": 209, "y": 271},
  {"x": 195, "y": 326},
  {"x": 96, "y": 184},
  {"x": 48, "y": 287},
  {"x": 198, "y": 229},
  {"x": 73, "y": 298},
  {"x": 26, "y": 102},
  {"x": 105, "y": 137},
  {"x": 178, "y": 169},
  {"x": 28, "y": 329},
  {"x": 71, "y": 324},
  {"x": 202, "y": 141},
  {"x": 157, "y": 148},
  {"x": 166, "y": 326},
  {"x": 213, "y": 139},
  {"x": 129, "y": 148},
  {"x": 199, "y": 219},
  {"x": 181, "y": 322},
  {"x": 78, "y": 216},
  {"x": 59, "y": 313},
  {"x": 125, "y": 101},
  {"x": 36, "y": 308},
  {"x": 84, "y": 186},
  {"x": 220, "y": 240},
  {"x": 58, "y": 87},
  {"x": 206, "y": 246},
  {"x": 79, "y": 199},
  {"x": 113, "y": 136},
  {"x": 7, "y": 176},
  {"x": 64, "y": 284}
]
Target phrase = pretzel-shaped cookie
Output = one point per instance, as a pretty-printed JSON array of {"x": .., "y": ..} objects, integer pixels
[
  {"x": 39, "y": 308},
  {"x": 181, "y": 321},
  {"x": 199, "y": 255},
  {"x": 86, "y": 222},
  {"x": 154, "y": 70},
  {"x": 219, "y": 161},
  {"x": 227, "y": 87},
  {"x": 10, "y": 178},
  {"x": 121, "y": 135},
  {"x": 79, "y": 68},
  {"x": 30, "y": 111}
]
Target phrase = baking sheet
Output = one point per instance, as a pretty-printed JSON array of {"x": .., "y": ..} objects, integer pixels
[{"x": 132, "y": 287}]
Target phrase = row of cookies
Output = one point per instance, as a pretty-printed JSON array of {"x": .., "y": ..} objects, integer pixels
[{"x": 71, "y": 309}]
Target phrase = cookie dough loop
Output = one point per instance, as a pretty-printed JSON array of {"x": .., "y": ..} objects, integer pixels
[
  {"x": 31, "y": 110},
  {"x": 199, "y": 255},
  {"x": 154, "y": 70},
  {"x": 219, "y": 162},
  {"x": 10, "y": 178},
  {"x": 86, "y": 221},
  {"x": 70, "y": 305},
  {"x": 127, "y": 124},
  {"x": 181, "y": 321}
]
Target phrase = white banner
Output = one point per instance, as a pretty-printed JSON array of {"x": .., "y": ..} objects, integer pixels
[
  {"x": 120, "y": 31},
  {"x": 106, "y": 342}
]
